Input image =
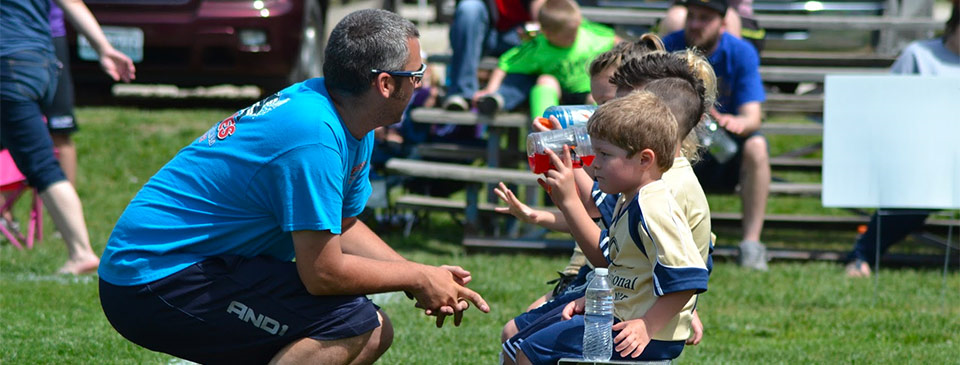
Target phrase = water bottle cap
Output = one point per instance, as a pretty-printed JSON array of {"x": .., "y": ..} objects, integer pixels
[{"x": 600, "y": 271}]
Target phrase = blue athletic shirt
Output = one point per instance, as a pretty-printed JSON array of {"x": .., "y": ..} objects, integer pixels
[
  {"x": 286, "y": 163},
  {"x": 737, "y": 66}
]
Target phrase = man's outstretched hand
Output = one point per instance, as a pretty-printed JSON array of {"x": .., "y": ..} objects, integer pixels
[{"x": 443, "y": 294}]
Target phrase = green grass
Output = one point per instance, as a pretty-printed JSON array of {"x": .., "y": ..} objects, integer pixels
[{"x": 794, "y": 313}]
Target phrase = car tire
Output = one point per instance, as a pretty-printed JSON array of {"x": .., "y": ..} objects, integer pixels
[{"x": 309, "y": 62}]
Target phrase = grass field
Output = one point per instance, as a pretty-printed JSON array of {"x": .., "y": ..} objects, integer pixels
[{"x": 796, "y": 313}]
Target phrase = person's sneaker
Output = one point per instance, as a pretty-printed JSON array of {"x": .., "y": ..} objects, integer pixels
[
  {"x": 858, "y": 269},
  {"x": 455, "y": 103},
  {"x": 753, "y": 255},
  {"x": 490, "y": 104}
]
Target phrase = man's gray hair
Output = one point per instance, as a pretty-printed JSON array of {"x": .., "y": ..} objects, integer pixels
[{"x": 365, "y": 40}]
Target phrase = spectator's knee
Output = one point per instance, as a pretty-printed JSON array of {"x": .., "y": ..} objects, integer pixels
[
  {"x": 755, "y": 150},
  {"x": 509, "y": 330},
  {"x": 548, "y": 80},
  {"x": 471, "y": 9}
]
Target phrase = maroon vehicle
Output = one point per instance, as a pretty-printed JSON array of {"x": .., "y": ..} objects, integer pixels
[{"x": 268, "y": 43}]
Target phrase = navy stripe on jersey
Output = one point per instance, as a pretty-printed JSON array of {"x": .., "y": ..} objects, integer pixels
[
  {"x": 668, "y": 280},
  {"x": 636, "y": 219},
  {"x": 606, "y": 203},
  {"x": 710, "y": 258},
  {"x": 605, "y": 245}
]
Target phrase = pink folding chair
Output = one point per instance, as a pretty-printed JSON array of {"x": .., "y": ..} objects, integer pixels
[{"x": 12, "y": 185}]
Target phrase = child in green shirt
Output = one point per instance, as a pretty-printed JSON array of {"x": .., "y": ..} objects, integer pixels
[{"x": 552, "y": 66}]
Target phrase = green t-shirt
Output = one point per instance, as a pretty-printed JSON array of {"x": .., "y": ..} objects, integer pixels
[{"x": 568, "y": 65}]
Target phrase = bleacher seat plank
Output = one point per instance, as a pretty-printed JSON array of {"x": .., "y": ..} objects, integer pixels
[
  {"x": 769, "y": 21},
  {"x": 795, "y": 188},
  {"x": 812, "y": 74},
  {"x": 793, "y": 129},
  {"x": 440, "y": 116},
  {"x": 841, "y": 59},
  {"x": 796, "y": 163},
  {"x": 791, "y": 103},
  {"x": 450, "y": 171},
  {"x": 449, "y": 151}
]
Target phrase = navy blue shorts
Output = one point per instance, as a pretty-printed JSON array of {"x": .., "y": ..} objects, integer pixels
[
  {"x": 550, "y": 338},
  {"x": 232, "y": 310},
  {"x": 528, "y": 317}
]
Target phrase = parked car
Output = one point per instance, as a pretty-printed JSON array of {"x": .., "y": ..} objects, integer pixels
[{"x": 268, "y": 43}]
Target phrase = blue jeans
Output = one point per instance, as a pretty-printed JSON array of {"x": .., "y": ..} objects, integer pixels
[
  {"x": 471, "y": 37},
  {"x": 894, "y": 228},
  {"x": 28, "y": 80}
]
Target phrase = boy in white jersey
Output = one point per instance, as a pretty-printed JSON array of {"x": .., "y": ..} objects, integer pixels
[{"x": 654, "y": 264}]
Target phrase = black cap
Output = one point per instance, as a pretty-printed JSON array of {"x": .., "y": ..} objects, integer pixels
[{"x": 719, "y": 6}]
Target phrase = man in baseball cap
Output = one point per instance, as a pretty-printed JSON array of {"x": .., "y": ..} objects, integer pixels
[{"x": 739, "y": 95}]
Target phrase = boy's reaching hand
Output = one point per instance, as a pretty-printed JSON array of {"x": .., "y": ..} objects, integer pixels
[
  {"x": 573, "y": 308},
  {"x": 697, "y": 328},
  {"x": 562, "y": 185},
  {"x": 633, "y": 337},
  {"x": 514, "y": 206}
]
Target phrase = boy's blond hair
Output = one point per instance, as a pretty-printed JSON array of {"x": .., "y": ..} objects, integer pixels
[
  {"x": 690, "y": 145},
  {"x": 624, "y": 51},
  {"x": 702, "y": 69},
  {"x": 559, "y": 16},
  {"x": 637, "y": 121}
]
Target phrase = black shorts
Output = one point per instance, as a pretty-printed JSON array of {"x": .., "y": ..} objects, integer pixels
[
  {"x": 60, "y": 118},
  {"x": 232, "y": 310},
  {"x": 716, "y": 177}
]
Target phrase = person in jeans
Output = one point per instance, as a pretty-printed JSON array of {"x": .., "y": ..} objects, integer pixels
[
  {"x": 932, "y": 57},
  {"x": 28, "y": 79},
  {"x": 482, "y": 28}
]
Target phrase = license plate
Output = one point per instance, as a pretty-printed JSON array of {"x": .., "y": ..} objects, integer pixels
[{"x": 128, "y": 40}]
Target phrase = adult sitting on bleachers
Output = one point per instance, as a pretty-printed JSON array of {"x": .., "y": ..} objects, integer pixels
[
  {"x": 740, "y": 92},
  {"x": 738, "y": 21},
  {"x": 479, "y": 28},
  {"x": 932, "y": 57}
]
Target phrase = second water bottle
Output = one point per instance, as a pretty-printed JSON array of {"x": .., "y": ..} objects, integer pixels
[{"x": 598, "y": 318}]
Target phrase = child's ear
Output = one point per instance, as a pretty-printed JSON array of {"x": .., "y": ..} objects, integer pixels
[{"x": 647, "y": 158}]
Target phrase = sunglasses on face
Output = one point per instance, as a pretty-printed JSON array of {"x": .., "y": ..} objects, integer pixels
[{"x": 416, "y": 75}]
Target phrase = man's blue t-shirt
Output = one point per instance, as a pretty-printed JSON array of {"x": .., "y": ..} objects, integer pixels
[
  {"x": 737, "y": 66},
  {"x": 286, "y": 163}
]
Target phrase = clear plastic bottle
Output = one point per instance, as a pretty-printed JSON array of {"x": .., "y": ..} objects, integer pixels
[
  {"x": 569, "y": 115},
  {"x": 598, "y": 318},
  {"x": 717, "y": 141},
  {"x": 581, "y": 150}
]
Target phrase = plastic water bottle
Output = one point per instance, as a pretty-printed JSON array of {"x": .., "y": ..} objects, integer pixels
[
  {"x": 718, "y": 142},
  {"x": 581, "y": 150},
  {"x": 569, "y": 115},
  {"x": 598, "y": 318}
]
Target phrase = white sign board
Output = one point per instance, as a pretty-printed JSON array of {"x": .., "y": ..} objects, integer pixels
[{"x": 891, "y": 141}]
